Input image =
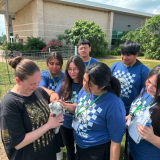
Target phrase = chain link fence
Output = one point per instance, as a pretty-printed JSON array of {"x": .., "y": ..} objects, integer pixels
[{"x": 7, "y": 80}]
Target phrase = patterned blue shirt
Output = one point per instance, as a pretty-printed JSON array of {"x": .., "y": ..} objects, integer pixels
[
  {"x": 103, "y": 121},
  {"x": 47, "y": 81}
]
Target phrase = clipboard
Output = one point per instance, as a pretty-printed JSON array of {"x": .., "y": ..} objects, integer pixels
[{"x": 142, "y": 120}]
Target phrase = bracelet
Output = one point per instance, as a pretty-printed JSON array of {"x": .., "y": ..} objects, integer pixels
[{"x": 52, "y": 92}]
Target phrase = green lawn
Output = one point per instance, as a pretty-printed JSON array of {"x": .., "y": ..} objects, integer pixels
[{"x": 7, "y": 80}]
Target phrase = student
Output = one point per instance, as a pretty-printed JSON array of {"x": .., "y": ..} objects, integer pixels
[
  {"x": 68, "y": 91},
  {"x": 84, "y": 48},
  {"x": 99, "y": 122},
  {"x": 51, "y": 79},
  {"x": 26, "y": 122},
  {"x": 149, "y": 147},
  {"x": 132, "y": 74}
]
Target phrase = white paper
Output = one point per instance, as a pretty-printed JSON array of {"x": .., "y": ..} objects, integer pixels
[
  {"x": 74, "y": 125},
  {"x": 142, "y": 120}
]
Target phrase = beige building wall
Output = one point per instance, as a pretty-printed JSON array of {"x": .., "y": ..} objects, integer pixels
[
  {"x": 58, "y": 17},
  {"x": 23, "y": 24},
  {"x": 46, "y": 19}
]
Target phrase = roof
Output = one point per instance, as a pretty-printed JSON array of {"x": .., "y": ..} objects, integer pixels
[
  {"x": 15, "y": 5},
  {"x": 101, "y": 7}
]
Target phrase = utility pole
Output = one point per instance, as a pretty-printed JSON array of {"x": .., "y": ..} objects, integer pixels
[{"x": 8, "y": 35}]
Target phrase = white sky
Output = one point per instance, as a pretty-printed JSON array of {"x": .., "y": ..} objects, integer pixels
[{"x": 149, "y": 6}]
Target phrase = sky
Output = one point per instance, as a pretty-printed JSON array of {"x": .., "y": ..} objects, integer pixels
[{"x": 149, "y": 6}]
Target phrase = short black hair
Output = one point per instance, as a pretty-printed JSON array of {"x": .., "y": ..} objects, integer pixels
[
  {"x": 130, "y": 47},
  {"x": 83, "y": 42}
]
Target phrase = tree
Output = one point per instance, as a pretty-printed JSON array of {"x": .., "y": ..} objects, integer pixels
[
  {"x": 87, "y": 30},
  {"x": 148, "y": 36},
  {"x": 2, "y": 38},
  {"x": 34, "y": 43}
]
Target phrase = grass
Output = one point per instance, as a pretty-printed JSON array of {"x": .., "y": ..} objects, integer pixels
[{"x": 6, "y": 83}]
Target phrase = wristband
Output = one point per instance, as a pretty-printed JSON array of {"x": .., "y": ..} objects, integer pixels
[{"x": 52, "y": 92}]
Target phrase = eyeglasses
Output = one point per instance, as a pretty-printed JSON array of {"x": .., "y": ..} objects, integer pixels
[
  {"x": 74, "y": 70},
  {"x": 81, "y": 48}
]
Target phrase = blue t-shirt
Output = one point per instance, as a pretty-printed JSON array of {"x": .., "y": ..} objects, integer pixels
[
  {"x": 144, "y": 150},
  {"x": 132, "y": 80},
  {"x": 47, "y": 81},
  {"x": 68, "y": 117},
  {"x": 91, "y": 61},
  {"x": 100, "y": 123}
]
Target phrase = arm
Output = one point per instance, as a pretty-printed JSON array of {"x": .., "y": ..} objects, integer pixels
[
  {"x": 115, "y": 150},
  {"x": 148, "y": 134},
  {"x": 34, "y": 135},
  {"x": 53, "y": 95},
  {"x": 43, "y": 81},
  {"x": 68, "y": 106}
]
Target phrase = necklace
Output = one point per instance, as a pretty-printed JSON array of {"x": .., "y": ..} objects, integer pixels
[
  {"x": 89, "y": 61},
  {"x": 79, "y": 111},
  {"x": 55, "y": 83}
]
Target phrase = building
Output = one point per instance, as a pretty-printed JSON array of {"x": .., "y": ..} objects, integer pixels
[{"x": 48, "y": 18}]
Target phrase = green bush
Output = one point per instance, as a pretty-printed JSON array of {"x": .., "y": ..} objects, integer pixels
[
  {"x": 148, "y": 36},
  {"x": 34, "y": 44},
  {"x": 87, "y": 30}
]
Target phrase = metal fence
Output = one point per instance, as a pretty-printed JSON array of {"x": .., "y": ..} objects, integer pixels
[{"x": 7, "y": 73}]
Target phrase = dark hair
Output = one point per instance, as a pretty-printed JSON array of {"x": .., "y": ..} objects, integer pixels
[
  {"x": 66, "y": 87},
  {"x": 100, "y": 74},
  {"x": 83, "y": 42},
  {"x": 23, "y": 67},
  {"x": 156, "y": 111},
  {"x": 130, "y": 47},
  {"x": 55, "y": 55}
]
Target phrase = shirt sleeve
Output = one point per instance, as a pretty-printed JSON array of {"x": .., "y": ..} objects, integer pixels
[
  {"x": 144, "y": 74},
  {"x": 116, "y": 122},
  {"x": 12, "y": 128},
  {"x": 43, "y": 82}
]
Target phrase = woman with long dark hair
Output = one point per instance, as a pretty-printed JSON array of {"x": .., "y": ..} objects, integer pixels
[
  {"x": 147, "y": 103},
  {"x": 68, "y": 92},
  {"x": 99, "y": 122}
]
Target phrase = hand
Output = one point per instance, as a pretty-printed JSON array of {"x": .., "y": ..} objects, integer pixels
[
  {"x": 54, "y": 96},
  {"x": 65, "y": 105},
  {"x": 54, "y": 122},
  {"x": 127, "y": 117},
  {"x": 146, "y": 132}
]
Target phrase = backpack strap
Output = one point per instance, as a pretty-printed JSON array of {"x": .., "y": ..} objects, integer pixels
[{"x": 115, "y": 67}]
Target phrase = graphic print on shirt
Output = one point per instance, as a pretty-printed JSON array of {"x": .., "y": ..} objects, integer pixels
[
  {"x": 126, "y": 80},
  {"x": 39, "y": 116},
  {"x": 51, "y": 86},
  {"x": 74, "y": 96},
  {"x": 84, "y": 119}
]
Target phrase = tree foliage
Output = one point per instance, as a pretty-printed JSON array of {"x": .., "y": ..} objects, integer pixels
[
  {"x": 2, "y": 37},
  {"x": 87, "y": 30},
  {"x": 148, "y": 36},
  {"x": 34, "y": 43}
]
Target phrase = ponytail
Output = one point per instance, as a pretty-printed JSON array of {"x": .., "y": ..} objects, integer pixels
[{"x": 114, "y": 87}]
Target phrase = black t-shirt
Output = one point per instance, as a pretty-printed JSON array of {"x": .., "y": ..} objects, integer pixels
[{"x": 20, "y": 115}]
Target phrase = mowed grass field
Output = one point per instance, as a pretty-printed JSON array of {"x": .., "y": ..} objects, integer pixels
[{"x": 7, "y": 80}]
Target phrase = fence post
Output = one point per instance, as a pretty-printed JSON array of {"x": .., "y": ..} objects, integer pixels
[
  {"x": 75, "y": 50},
  {"x": 49, "y": 50}
]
